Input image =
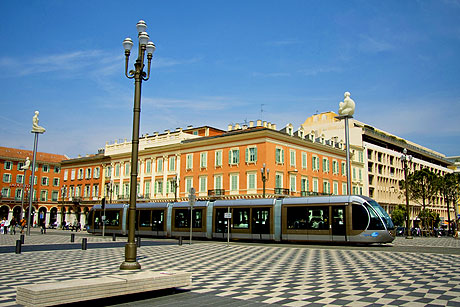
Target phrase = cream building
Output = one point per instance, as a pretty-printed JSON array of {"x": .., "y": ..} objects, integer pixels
[{"x": 376, "y": 160}]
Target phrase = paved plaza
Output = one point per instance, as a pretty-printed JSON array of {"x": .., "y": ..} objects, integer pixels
[{"x": 418, "y": 272}]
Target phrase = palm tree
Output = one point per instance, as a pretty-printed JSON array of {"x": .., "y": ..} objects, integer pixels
[{"x": 448, "y": 186}]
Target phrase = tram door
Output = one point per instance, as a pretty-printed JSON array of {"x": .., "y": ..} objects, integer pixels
[
  {"x": 221, "y": 222},
  {"x": 260, "y": 223},
  {"x": 338, "y": 224}
]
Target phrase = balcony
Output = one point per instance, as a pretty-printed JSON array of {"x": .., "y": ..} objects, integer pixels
[
  {"x": 309, "y": 193},
  {"x": 281, "y": 191}
]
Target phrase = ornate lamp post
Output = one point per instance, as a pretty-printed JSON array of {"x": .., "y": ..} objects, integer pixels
[
  {"x": 265, "y": 174},
  {"x": 406, "y": 158},
  {"x": 346, "y": 111},
  {"x": 139, "y": 75}
]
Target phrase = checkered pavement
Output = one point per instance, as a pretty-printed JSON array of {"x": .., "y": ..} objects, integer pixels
[{"x": 279, "y": 275}]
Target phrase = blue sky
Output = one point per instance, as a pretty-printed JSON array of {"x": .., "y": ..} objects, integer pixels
[{"x": 217, "y": 62}]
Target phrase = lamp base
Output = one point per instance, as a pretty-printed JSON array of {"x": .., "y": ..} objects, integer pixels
[
  {"x": 130, "y": 262},
  {"x": 129, "y": 265}
]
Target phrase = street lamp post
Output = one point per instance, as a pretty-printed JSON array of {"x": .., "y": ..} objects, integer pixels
[
  {"x": 139, "y": 75},
  {"x": 406, "y": 158},
  {"x": 24, "y": 168},
  {"x": 175, "y": 184},
  {"x": 63, "y": 192},
  {"x": 265, "y": 174}
]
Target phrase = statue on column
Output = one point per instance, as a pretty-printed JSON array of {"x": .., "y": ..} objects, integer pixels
[
  {"x": 35, "y": 127},
  {"x": 26, "y": 164},
  {"x": 347, "y": 107}
]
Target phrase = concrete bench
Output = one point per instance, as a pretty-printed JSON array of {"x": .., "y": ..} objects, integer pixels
[{"x": 76, "y": 290}]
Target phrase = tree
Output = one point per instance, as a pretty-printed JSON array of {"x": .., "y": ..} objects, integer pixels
[
  {"x": 398, "y": 215},
  {"x": 448, "y": 186},
  {"x": 431, "y": 218}
]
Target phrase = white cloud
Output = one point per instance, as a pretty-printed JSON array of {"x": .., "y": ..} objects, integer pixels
[{"x": 374, "y": 45}]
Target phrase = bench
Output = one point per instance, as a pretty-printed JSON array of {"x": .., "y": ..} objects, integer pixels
[{"x": 76, "y": 290}]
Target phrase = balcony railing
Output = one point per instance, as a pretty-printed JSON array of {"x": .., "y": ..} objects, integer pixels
[
  {"x": 309, "y": 193},
  {"x": 216, "y": 192},
  {"x": 281, "y": 191}
]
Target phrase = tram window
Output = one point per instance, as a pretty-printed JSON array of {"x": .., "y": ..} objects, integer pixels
[
  {"x": 318, "y": 218},
  {"x": 181, "y": 218},
  {"x": 112, "y": 218},
  {"x": 144, "y": 218},
  {"x": 90, "y": 217},
  {"x": 241, "y": 218},
  {"x": 360, "y": 218},
  {"x": 97, "y": 219},
  {"x": 297, "y": 217},
  {"x": 157, "y": 220},
  {"x": 375, "y": 223},
  {"x": 197, "y": 218}
]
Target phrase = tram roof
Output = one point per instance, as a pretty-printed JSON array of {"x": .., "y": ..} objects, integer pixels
[
  {"x": 245, "y": 202},
  {"x": 185, "y": 204},
  {"x": 151, "y": 205},
  {"x": 110, "y": 206},
  {"x": 322, "y": 199}
]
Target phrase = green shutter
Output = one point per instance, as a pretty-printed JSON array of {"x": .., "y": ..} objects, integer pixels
[
  {"x": 247, "y": 155},
  {"x": 237, "y": 156},
  {"x": 255, "y": 149},
  {"x": 282, "y": 155}
]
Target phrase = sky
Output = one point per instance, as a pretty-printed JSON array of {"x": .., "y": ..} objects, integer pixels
[{"x": 226, "y": 62}]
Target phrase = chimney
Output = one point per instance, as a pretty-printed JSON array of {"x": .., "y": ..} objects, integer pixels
[
  {"x": 251, "y": 124},
  {"x": 230, "y": 127}
]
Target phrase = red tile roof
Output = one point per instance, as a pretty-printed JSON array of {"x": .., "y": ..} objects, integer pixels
[{"x": 22, "y": 154}]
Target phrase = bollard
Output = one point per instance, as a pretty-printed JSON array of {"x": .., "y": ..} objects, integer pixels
[
  {"x": 72, "y": 237},
  {"x": 138, "y": 242},
  {"x": 18, "y": 246},
  {"x": 180, "y": 240},
  {"x": 84, "y": 244},
  {"x": 22, "y": 239},
  {"x": 114, "y": 237}
]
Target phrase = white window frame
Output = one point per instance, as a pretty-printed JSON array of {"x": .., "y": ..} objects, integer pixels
[
  {"x": 203, "y": 159},
  {"x": 189, "y": 162},
  {"x": 304, "y": 160},
  {"x": 251, "y": 154},
  {"x": 218, "y": 158},
  {"x": 234, "y": 179},
  {"x": 292, "y": 157},
  {"x": 279, "y": 155},
  {"x": 203, "y": 184},
  {"x": 252, "y": 180}
]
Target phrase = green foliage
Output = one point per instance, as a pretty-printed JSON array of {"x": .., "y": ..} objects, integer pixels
[
  {"x": 429, "y": 218},
  {"x": 423, "y": 186},
  {"x": 399, "y": 215}
]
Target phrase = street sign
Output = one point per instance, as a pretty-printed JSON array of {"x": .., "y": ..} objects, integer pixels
[
  {"x": 192, "y": 197},
  {"x": 228, "y": 215}
]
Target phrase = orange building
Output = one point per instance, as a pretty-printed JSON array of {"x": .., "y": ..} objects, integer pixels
[{"x": 47, "y": 183}]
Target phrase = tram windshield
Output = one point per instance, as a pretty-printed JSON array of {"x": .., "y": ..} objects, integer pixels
[{"x": 382, "y": 213}]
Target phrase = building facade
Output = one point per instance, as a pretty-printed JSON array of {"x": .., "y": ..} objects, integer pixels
[
  {"x": 16, "y": 183},
  {"x": 376, "y": 159}
]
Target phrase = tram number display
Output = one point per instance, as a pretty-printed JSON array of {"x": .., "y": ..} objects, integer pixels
[{"x": 227, "y": 215}]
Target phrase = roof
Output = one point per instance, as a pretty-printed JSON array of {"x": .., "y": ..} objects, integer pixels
[{"x": 22, "y": 154}]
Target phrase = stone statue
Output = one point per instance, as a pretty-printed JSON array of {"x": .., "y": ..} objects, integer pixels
[
  {"x": 347, "y": 107},
  {"x": 26, "y": 164},
  {"x": 35, "y": 127}
]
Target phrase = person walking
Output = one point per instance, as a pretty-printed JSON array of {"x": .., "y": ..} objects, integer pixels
[
  {"x": 6, "y": 226},
  {"x": 2, "y": 224},
  {"x": 13, "y": 226},
  {"x": 23, "y": 224}
]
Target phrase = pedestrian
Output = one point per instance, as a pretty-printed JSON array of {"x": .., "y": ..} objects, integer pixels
[
  {"x": 23, "y": 223},
  {"x": 13, "y": 226},
  {"x": 6, "y": 226},
  {"x": 2, "y": 223},
  {"x": 43, "y": 227}
]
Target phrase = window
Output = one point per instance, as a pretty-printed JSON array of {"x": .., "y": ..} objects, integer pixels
[
  {"x": 234, "y": 156},
  {"x": 57, "y": 169},
  {"x": 148, "y": 166},
  {"x": 66, "y": 174},
  {"x": 326, "y": 187},
  {"x": 315, "y": 163},
  {"x": 19, "y": 178},
  {"x": 126, "y": 190},
  {"x": 87, "y": 191},
  {"x": 315, "y": 185},
  {"x": 292, "y": 157},
  {"x": 147, "y": 189},
  {"x": 234, "y": 182},
  {"x": 344, "y": 169},
  {"x": 5, "y": 192},
  {"x": 279, "y": 155},
  {"x": 304, "y": 185},
  {"x": 335, "y": 188},
  {"x": 218, "y": 182},
  {"x": 344, "y": 189},
  {"x": 80, "y": 173},
  {"x": 241, "y": 218},
  {"x": 54, "y": 195},
  {"x": 117, "y": 170},
  {"x": 189, "y": 162},
  {"x": 78, "y": 191},
  {"x": 44, "y": 195},
  {"x": 278, "y": 180},
  {"x": 46, "y": 168},
  {"x": 251, "y": 155},
  {"x": 203, "y": 184},
  {"x": 95, "y": 191},
  {"x": 159, "y": 165},
  {"x": 203, "y": 160},
  {"x": 8, "y": 165},
  {"x": 159, "y": 187},
  {"x": 188, "y": 184},
  {"x": 35, "y": 180},
  {"x": 18, "y": 194},
  {"x": 172, "y": 164},
  {"x": 218, "y": 158},
  {"x": 20, "y": 165},
  {"x": 97, "y": 173},
  {"x": 335, "y": 167},
  {"x": 293, "y": 183},
  {"x": 72, "y": 175},
  {"x": 6, "y": 178},
  {"x": 312, "y": 218},
  {"x": 88, "y": 173},
  {"x": 252, "y": 181},
  {"x": 45, "y": 181},
  {"x": 304, "y": 160},
  {"x": 325, "y": 165},
  {"x": 127, "y": 166}
]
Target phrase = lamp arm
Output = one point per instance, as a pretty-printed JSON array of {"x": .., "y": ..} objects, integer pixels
[
  {"x": 149, "y": 58},
  {"x": 131, "y": 73}
]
